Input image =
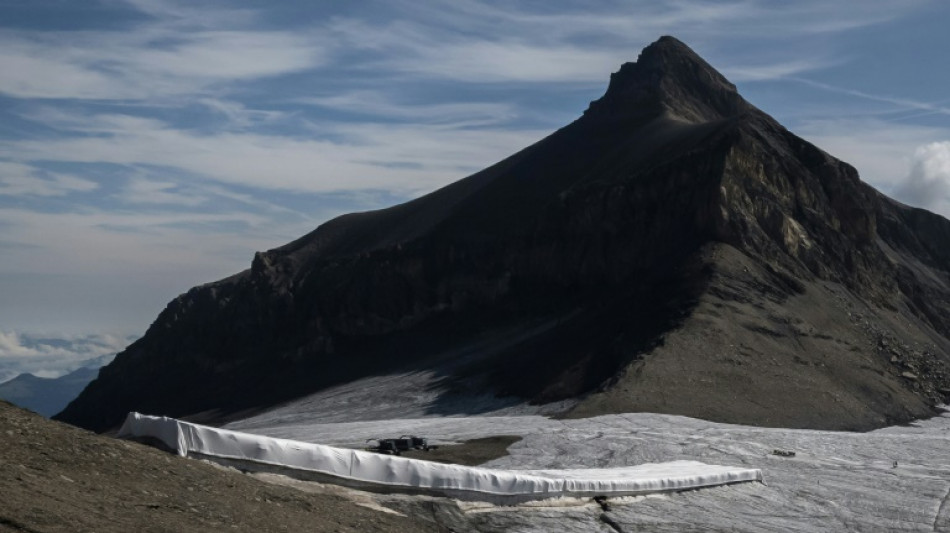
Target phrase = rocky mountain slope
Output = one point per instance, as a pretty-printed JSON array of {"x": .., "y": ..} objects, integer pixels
[{"x": 674, "y": 250}]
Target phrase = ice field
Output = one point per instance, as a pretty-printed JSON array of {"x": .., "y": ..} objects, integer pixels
[{"x": 892, "y": 479}]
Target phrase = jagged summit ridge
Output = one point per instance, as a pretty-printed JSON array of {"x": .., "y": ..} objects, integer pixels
[{"x": 669, "y": 77}]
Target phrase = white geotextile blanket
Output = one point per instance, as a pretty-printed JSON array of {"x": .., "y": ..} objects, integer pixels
[{"x": 374, "y": 468}]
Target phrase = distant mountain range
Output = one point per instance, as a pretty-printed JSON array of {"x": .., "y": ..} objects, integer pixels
[
  {"x": 48, "y": 396},
  {"x": 674, "y": 250}
]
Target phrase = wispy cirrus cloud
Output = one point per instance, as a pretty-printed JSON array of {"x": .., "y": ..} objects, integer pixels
[
  {"x": 186, "y": 14},
  {"x": 18, "y": 179},
  {"x": 407, "y": 159},
  {"x": 142, "y": 190},
  {"x": 113, "y": 241},
  {"x": 377, "y": 105},
  {"x": 501, "y": 60},
  {"x": 777, "y": 70},
  {"x": 484, "y": 42},
  {"x": 153, "y": 62},
  {"x": 239, "y": 116},
  {"x": 611, "y": 21},
  {"x": 903, "y": 104}
]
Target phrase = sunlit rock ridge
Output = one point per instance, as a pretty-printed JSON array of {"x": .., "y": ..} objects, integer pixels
[{"x": 673, "y": 250}]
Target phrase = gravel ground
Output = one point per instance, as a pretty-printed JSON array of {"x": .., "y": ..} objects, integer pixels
[{"x": 54, "y": 477}]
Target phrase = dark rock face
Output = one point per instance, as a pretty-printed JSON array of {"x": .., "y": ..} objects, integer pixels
[{"x": 673, "y": 250}]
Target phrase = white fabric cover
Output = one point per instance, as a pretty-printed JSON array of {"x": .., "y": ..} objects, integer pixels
[{"x": 374, "y": 468}]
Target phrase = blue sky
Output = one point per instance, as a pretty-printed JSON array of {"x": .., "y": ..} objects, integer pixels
[{"x": 147, "y": 146}]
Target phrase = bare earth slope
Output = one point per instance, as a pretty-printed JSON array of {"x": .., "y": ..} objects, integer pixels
[
  {"x": 675, "y": 250},
  {"x": 55, "y": 477}
]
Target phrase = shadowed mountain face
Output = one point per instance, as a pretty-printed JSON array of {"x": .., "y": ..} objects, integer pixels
[{"x": 674, "y": 250}]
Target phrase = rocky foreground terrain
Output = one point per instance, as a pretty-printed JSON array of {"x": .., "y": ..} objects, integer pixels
[
  {"x": 55, "y": 477},
  {"x": 674, "y": 250}
]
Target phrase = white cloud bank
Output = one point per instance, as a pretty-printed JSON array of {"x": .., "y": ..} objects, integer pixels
[
  {"x": 928, "y": 184},
  {"x": 53, "y": 356},
  {"x": 882, "y": 151}
]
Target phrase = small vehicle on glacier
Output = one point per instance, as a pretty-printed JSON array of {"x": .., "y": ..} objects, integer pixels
[{"x": 402, "y": 444}]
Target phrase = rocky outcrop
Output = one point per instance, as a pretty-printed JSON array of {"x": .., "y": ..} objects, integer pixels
[{"x": 674, "y": 249}]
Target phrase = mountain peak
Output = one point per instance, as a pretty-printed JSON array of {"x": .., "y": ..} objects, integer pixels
[
  {"x": 668, "y": 77},
  {"x": 674, "y": 251},
  {"x": 669, "y": 46}
]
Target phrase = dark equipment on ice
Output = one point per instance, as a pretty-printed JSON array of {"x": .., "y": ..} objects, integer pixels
[
  {"x": 416, "y": 443},
  {"x": 402, "y": 444}
]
